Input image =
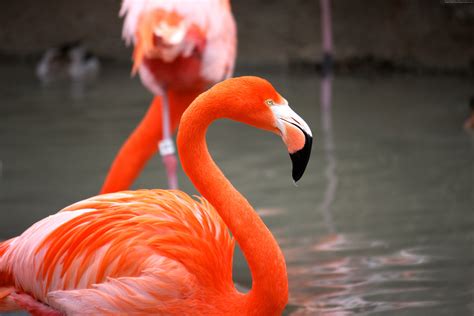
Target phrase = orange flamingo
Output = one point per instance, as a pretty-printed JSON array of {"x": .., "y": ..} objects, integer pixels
[
  {"x": 182, "y": 47},
  {"x": 160, "y": 251}
]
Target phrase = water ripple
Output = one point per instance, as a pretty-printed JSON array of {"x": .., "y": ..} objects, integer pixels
[{"x": 347, "y": 275}]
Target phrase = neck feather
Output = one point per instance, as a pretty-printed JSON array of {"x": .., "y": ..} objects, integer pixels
[{"x": 269, "y": 293}]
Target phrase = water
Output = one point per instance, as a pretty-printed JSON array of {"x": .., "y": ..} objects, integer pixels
[{"x": 382, "y": 223}]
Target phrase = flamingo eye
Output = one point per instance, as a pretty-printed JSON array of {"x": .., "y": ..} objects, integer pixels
[{"x": 269, "y": 102}]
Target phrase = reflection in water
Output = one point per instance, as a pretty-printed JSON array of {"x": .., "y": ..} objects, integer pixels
[
  {"x": 338, "y": 242},
  {"x": 269, "y": 212},
  {"x": 330, "y": 172},
  {"x": 335, "y": 279},
  {"x": 332, "y": 276},
  {"x": 326, "y": 118}
]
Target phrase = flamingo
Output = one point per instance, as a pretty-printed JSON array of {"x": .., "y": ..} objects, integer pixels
[
  {"x": 182, "y": 47},
  {"x": 163, "y": 252}
]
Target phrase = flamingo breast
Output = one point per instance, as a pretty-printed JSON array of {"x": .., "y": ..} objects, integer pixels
[{"x": 181, "y": 74}]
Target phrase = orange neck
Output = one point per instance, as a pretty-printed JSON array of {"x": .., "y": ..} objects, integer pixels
[{"x": 269, "y": 293}]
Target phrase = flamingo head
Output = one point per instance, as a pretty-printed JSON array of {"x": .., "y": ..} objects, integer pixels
[
  {"x": 295, "y": 133},
  {"x": 256, "y": 102}
]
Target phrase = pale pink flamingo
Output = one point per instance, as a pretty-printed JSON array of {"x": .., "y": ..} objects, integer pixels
[
  {"x": 182, "y": 47},
  {"x": 162, "y": 252}
]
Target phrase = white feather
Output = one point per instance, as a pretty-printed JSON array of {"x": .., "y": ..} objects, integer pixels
[{"x": 212, "y": 16}]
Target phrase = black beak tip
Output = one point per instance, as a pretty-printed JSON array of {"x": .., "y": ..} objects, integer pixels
[{"x": 300, "y": 159}]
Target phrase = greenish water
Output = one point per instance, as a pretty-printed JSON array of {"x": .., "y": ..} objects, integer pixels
[{"x": 382, "y": 223}]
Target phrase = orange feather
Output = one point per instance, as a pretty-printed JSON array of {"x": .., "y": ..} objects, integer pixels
[{"x": 157, "y": 252}]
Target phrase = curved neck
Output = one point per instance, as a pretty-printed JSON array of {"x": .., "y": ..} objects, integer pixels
[{"x": 269, "y": 293}]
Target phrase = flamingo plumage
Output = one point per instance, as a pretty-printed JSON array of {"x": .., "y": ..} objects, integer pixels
[
  {"x": 181, "y": 48},
  {"x": 163, "y": 252}
]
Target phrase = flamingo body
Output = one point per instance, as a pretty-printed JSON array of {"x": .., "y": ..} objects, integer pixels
[
  {"x": 209, "y": 26},
  {"x": 161, "y": 252},
  {"x": 118, "y": 253}
]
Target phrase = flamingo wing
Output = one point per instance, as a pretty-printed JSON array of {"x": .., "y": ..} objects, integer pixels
[{"x": 143, "y": 251}]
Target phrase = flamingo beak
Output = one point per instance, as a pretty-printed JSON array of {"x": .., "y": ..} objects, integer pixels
[{"x": 297, "y": 136}]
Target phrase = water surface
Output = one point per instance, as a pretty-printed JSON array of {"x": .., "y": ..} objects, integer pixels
[{"x": 382, "y": 223}]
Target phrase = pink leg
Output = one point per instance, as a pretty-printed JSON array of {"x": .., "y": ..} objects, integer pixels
[
  {"x": 166, "y": 146},
  {"x": 171, "y": 163}
]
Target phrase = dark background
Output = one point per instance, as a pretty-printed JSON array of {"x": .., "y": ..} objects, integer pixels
[{"x": 402, "y": 34}]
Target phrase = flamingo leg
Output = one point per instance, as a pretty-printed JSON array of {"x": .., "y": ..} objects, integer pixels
[
  {"x": 166, "y": 146},
  {"x": 142, "y": 143},
  {"x": 136, "y": 151},
  {"x": 326, "y": 33}
]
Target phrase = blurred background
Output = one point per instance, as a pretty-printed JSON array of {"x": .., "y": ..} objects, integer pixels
[
  {"x": 382, "y": 223},
  {"x": 402, "y": 34}
]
